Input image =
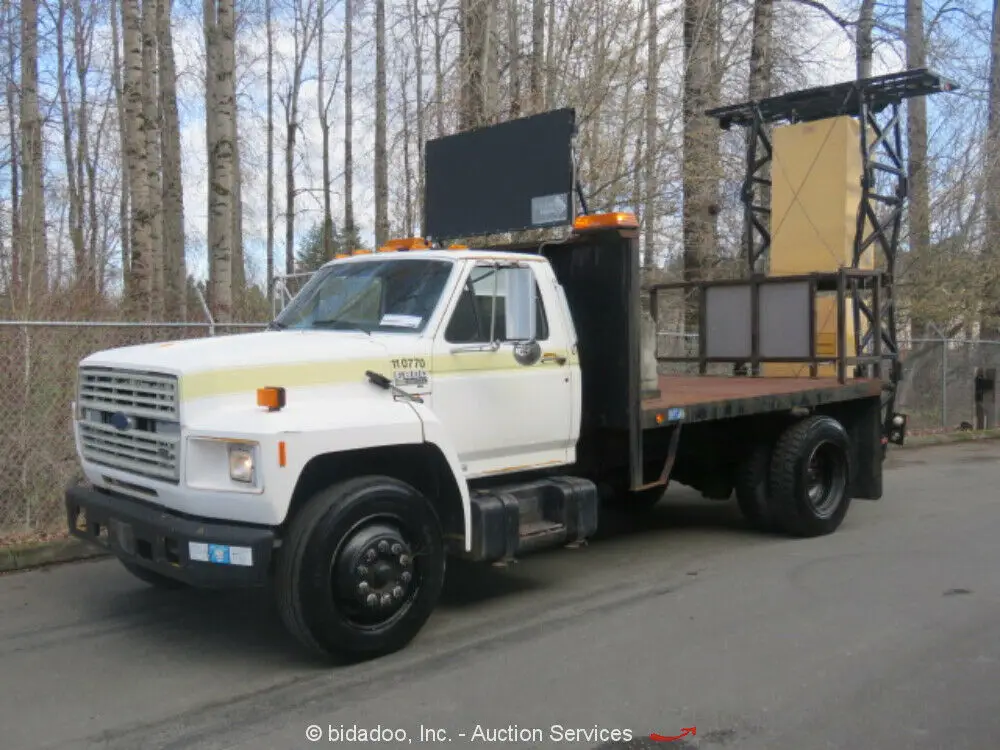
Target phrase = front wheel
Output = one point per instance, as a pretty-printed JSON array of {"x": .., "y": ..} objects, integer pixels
[
  {"x": 810, "y": 477},
  {"x": 361, "y": 568}
]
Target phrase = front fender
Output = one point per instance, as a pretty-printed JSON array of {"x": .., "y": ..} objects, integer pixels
[
  {"x": 435, "y": 434},
  {"x": 306, "y": 428}
]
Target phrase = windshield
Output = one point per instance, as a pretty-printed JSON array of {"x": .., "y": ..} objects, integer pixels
[{"x": 378, "y": 295}]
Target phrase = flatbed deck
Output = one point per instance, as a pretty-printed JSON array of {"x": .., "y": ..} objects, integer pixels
[{"x": 702, "y": 398}]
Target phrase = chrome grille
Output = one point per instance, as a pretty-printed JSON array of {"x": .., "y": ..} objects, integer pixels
[
  {"x": 140, "y": 394},
  {"x": 145, "y": 454},
  {"x": 149, "y": 444}
]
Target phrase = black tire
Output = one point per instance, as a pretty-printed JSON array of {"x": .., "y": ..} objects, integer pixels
[
  {"x": 370, "y": 536},
  {"x": 752, "y": 487},
  {"x": 153, "y": 578},
  {"x": 810, "y": 477}
]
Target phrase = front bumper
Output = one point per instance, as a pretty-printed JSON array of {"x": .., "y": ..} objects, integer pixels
[{"x": 202, "y": 553}]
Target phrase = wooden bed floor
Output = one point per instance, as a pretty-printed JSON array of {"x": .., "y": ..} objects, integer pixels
[{"x": 688, "y": 390}]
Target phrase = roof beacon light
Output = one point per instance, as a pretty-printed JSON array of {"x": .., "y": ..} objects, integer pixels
[
  {"x": 616, "y": 220},
  {"x": 404, "y": 243}
]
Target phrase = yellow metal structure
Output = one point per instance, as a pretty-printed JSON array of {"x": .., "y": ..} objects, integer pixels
[{"x": 816, "y": 175}]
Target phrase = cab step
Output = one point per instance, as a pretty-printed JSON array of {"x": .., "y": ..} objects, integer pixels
[{"x": 512, "y": 520}]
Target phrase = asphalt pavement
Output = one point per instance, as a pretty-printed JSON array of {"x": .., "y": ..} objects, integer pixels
[{"x": 687, "y": 624}]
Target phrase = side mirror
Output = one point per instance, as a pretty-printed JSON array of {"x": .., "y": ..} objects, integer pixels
[{"x": 522, "y": 305}]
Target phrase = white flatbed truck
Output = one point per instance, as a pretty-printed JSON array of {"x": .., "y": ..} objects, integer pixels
[{"x": 423, "y": 402}]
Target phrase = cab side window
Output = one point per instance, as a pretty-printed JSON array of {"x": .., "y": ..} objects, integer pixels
[{"x": 482, "y": 308}]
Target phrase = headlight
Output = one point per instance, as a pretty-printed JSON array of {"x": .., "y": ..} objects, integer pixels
[{"x": 241, "y": 463}]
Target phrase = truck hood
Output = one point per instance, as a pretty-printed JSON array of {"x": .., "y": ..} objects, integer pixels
[{"x": 253, "y": 351}]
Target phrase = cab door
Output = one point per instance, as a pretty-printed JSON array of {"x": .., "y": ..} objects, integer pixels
[{"x": 503, "y": 382}]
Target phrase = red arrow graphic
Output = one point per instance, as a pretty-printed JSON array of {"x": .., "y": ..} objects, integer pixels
[{"x": 685, "y": 731}]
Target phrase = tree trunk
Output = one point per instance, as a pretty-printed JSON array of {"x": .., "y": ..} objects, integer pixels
[
  {"x": 324, "y": 126},
  {"x": 174, "y": 261},
  {"x": 700, "y": 168},
  {"x": 269, "y": 23},
  {"x": 404, "y": 73},
  {"x": 220, "y": 232},
  {"x": 418, "y": 54},
  {"x": 141, "y": 264},
  {"x": 349, "y": 228},
  {"x": 537, "y": 55},
  {"x": 991, "y": 327},
  {"x": 151, "y": 132},
  {"x": 239, "y": 275},
  {"x": 211, "y": 32},
  {"x": 124, "y": 198},
  {"x": 73, "y": 186},
  {"x": 381, "y": 160},
  {"x": 476, "y": 46},
  {"x": 83, "y": 31},
  {"x": 15, "y": 174},
  {"x": 865, "y": 51},
  {"x": 34, "y": 255},
  {"x": 916, "y": 136},
  {"x": 652, "y": 89},
  {"x": 439, "y": 69}
]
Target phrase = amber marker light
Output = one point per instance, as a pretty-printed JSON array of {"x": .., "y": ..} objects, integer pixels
[{"x": 271, "y": 398}]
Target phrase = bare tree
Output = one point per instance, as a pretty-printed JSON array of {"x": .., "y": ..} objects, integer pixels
[
  {"x": 417, "y": 29},
  {"x": 13, "y": 129},
  {"x": 33, "y": 246},
  {"x": 323, "y": 103},
  {"x": 514, "y": 49},
  {"x": 303, "y": 34},
  {"x": 228, "y": 52},
  {"x": 700, "y": 150},
  {"x": 537, "y": 55},
  {"x": 381, "y": 161},
  {"x": 141, "y": 263},
  {"x": 916, "y": 136},
  {"x": 474, "y": 56},
  {"x": 349, "y": 228},
  {"x": 652, "y": 93},
  {"x": 174, "y": 262},
  {"x": 992, "y": 186},
  {"x": 269, "y": 200},
  {"x": 865, "y": 51},
  {"x": 125, "y": 229},
  {"x": 151, "y": 132},
  {"x": 220, "y": 34}
]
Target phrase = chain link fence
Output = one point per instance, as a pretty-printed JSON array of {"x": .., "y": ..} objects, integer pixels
[{"x": 38, "y": 362}]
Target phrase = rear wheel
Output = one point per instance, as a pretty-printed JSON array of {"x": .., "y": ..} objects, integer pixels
[
  {"x": 361, "y": 569},
  {"x": 809, "y": 477},
  {"x": 752, "y": 487}
]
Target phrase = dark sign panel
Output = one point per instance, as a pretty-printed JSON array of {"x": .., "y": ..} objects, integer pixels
[{"x": 507, "y": 177}]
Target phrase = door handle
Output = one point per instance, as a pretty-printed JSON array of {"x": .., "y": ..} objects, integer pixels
[{"x": 558, "y": 359}]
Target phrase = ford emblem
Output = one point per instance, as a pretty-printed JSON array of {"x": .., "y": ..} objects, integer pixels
[{"x": 122, "y": 421}]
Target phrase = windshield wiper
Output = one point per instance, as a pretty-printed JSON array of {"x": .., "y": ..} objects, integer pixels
[
  {"x": 337, "y": 323},
  {"x": 274, "y": 325}
]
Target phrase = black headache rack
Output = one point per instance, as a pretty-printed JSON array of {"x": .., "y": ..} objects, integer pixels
[{"x": 772, "y": 319}]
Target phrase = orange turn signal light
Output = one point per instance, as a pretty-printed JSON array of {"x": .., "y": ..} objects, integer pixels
[
  {"x": 271, "y": 398},
  {"x": 458, "y": 247},
  {"x": 616, "y": 220}
]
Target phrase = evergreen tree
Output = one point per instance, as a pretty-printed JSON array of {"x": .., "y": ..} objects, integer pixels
[{"x": 311, "y": 257}]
